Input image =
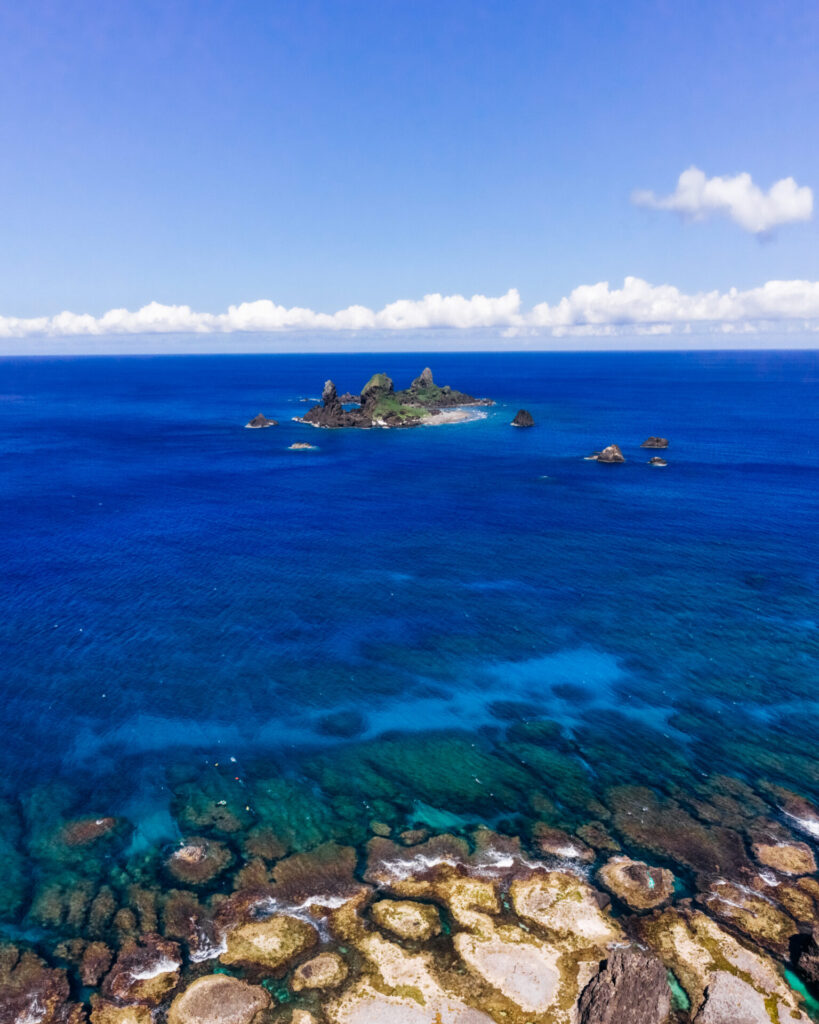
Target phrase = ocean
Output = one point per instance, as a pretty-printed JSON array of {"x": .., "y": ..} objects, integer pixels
[{"x": 430, "y": 628}]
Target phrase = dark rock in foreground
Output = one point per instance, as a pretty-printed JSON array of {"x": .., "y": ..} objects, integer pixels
[
  {"x": 261, "y": 421},
  {"x": 631, "y": 987},
  {"x": 611, "y": 454},
  {"x": 523, "y": 418},
  {"x": 655, "y": 442},
  {"x": 380, "y": 405},
  {"x": 808, "y": 960}
]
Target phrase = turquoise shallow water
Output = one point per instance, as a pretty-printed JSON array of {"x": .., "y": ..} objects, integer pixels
[{"x": 424, "y": 626}]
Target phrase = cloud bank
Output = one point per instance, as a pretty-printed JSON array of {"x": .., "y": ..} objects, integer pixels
[
  {"x": 697, "y": 198},
  {"x": 588, "y": 309}
]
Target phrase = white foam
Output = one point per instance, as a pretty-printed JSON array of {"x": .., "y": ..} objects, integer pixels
[
  {"x": 165, "y": 966},
  {"x": 809, "y": 825}
]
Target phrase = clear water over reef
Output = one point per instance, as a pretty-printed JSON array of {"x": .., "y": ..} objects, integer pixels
[{"x": 433, "y": 628}]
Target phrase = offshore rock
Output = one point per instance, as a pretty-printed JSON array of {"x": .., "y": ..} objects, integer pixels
[
  {"x": 523, "y": 418},
  {"x": 655, "y": 442},
  {"x": 218, "y": 999},
  {"x": 632, "y": 986},
  {"x": 261, "y": 421},
  {"x": 657, "y": 461},
  {"x": 639, "y": 886},
  {"x": 611, "y": 454}
]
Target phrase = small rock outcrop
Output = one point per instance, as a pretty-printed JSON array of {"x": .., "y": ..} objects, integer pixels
[
  {"x": 657, "y": 461},
  {"x": 611, "y": 454},
  {"x": 632, "y": 986},
  {"x": 523, "y": 418},
  {"x": 198, "y": 861},
  {"x": 639, "y": 886},
  {"x": 260, "y": 421},
  {"x": 655, "y": 442}
]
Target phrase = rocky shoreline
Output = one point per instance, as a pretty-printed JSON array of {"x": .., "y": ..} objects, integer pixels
[{"x": 420, "y": 928}]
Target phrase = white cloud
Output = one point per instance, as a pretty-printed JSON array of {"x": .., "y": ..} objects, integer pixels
[
  {"x": 698, "y": 198},
  {"x": 591, "y": 309}
]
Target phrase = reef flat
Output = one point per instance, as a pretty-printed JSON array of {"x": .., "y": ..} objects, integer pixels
[
  {"x": 380, "y": 405},
  {"x": 329, "y": 898}
]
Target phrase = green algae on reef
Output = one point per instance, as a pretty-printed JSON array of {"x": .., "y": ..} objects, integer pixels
[{"x": 331, "y": 896}]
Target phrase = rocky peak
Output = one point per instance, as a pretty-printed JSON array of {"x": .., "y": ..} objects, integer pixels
[
  {"x": 424, "y": 381},
  {"x": 329, "y": 395},
  {"x": 377, "y": 387},
  {"x": 523, "y": 418}
]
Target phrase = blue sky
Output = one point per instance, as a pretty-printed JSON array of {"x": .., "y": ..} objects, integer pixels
[{"x": 323, "y": 154}]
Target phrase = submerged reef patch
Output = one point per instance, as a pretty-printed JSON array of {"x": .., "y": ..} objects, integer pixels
[{"x": 323, "y": 890}]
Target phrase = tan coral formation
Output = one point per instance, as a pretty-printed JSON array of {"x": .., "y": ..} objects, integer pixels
[
  {"x": 218, "y": 999},
  {"x": 639, "y": 886},
  {"x": 790, "y": 858},
  {"x": 417, "y": 922},
  {"x": 327, "y": 970},
  {"x": 698, "y": 950},
  {"x": 273, "y": 943}
]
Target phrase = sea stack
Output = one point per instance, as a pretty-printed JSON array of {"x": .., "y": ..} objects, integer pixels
[
  {"x": 523, "y": 418},
  {"x": 655, "y": 442},
  {"x": 260, "y": 421},
  {"x": 611, "y": 454}
]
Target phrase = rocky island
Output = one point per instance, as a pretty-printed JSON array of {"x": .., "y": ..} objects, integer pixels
[
  {"x": 260, "y": 421},
  {"x": 523, "y": 418},
  {"x": 380, "y": 405}
]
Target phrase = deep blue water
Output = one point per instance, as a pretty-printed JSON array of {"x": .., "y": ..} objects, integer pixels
[{"x": 177, "y": 587}]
